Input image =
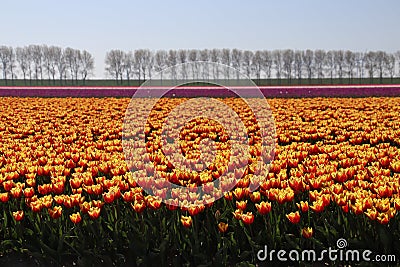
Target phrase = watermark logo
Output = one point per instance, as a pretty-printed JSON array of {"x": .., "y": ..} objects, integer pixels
[
  {"x": 340, "y": 253},
  {"x": 341, "y": 243},
  {"x": 187, "y": 143}
]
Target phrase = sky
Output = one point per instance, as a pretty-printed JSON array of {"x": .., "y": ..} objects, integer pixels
[{"x": 99, "y": 26}]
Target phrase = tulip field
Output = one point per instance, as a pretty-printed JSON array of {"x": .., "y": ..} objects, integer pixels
[{"x": 67, "y": 196}]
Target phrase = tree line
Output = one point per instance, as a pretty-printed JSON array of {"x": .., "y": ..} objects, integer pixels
[
  {"x": 261, "y": 64},
  {"x": 41, "y": 62}
]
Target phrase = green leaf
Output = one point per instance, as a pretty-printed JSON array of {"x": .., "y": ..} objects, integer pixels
[
  {"x": 245, "y": 254},
  {"x": 245, "y": 264}
]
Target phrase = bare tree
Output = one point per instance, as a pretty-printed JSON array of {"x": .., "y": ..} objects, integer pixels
[
  {"x": 278, "y": 62},
  {"x": 397, "y": 56},
  {"x": 138, "y": 62},
  {"x": 380, "y": 58},
  {"x": 86, "y": 65},
  {"x": 37, "y": 58},
  {"x": 226, "y": 58},
  {"x": 12, "y": 62},
  {"x": 114, "y": 63},
  {"x": 359, "y": 58},
  {"x": 298, "y": 64},
  {"x": 330, "y": 63},
  {"x": 193, "y": 57},
  {"x": 69, "y": 60},
  {"x": 205, "y": 57},
  {"x": 61, "y": 64},
  {"x": 76, "y": 63},
  {"x": 247, "y": 59},
  {"x": 172, "y": 60},
  {"x": 160, "y": 61},
  {"x": 150, "y": 63},
  {"x": 390, "y": 63},
  {"x": 73, "y": 58},
  {"x": 370, "y": 63},
  {"x": 128, "y": 65},
  {"x": 53, "y": 55},
  {"x": 5, "y": 55},
  {"x": 350, "y": 61},
  {"x": 50, "y": 60},
  {"x": 237, "y": 60},
  {"x": 257, "y": 64},
  {"x": 339, "y": 62},
  {"x": 268, "y": 59},
  {"x": 319, "y": 60},
  {"x": 288, "y": 58},
  {"x": 183, "y": 57},
  {"x": 146, "y": 55},
  {"x": 46, "y": 60},
  {"x": 308, "y": 59},
  {"x": 215, "y": 57},
  {"x": 22, "y": 57}
]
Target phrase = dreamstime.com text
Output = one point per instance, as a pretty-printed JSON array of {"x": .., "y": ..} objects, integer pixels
[{"x": 339, "y": 253}]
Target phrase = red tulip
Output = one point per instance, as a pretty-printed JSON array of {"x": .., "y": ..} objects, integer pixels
[
  {"x": 307, "y": 232},
  {"x": 294, "y": 217},
  {"x": 4, "y": 197},
  {"x": 18, "y": 215},
  {"x": 222, "y": 227},
  {"x": 248, "y": 218},
  {"x": 94, "y": 212},
  {"x": 55, "y": 212},
  {"x": 75, "y": 218},
  {"x": 263, "y": 207},
  {"x": 186, "y": 221}
]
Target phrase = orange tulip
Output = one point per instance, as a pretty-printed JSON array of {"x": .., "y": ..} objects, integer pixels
[
  {"x": 8, "y": 185},
  {"x": 371, "y": 214},
  {"x": 255, "y": 197},
  {"x": 75, "y": 218},
  {"x": 186, "y": 221},
  {"x": 138, "y": 206},
  {"x": 97, "y": 189},
  {"x": 55, "y": 212},
  {"x": 317, "y": 206},
  {"x": 228, "y": 195},
  {"x": 16, "y": 192},
  {"x": 4, "y": 197},
  {"x": 195, "y": 209},
  {"x": 97, "y": 203},
  {"x": 109, "y": 196},
  {"x": 128, "y": 196},
  {"x": 75, "y": 182},
  {"x": 296, "y": 184},
  {"x": 222, "y": 227},
  {"x": 36, "y": 206},
  {"x": 303, "y": 206},
  {"x": 383, "y": 218},
  {"x": 154, "y": 203},
  {"x": 18, "y": 215},
  {"x": 263, "y": 207},
  {"x": 29, "y": 192},
  {"x": 237, "y": 214},
  {"x": 84, "y": 207},
  {"x": 239, "y": 193},
  {"x": 307, "y": 232},
  {"x": 345, "y": 208},
  {"x": 241, "y": 204},
  {"x": 397, "y": 204},
  {"x": 94, "y": 212},
  {"x": 294, "y": 217},
  {"x": 247, "y": 218}
]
